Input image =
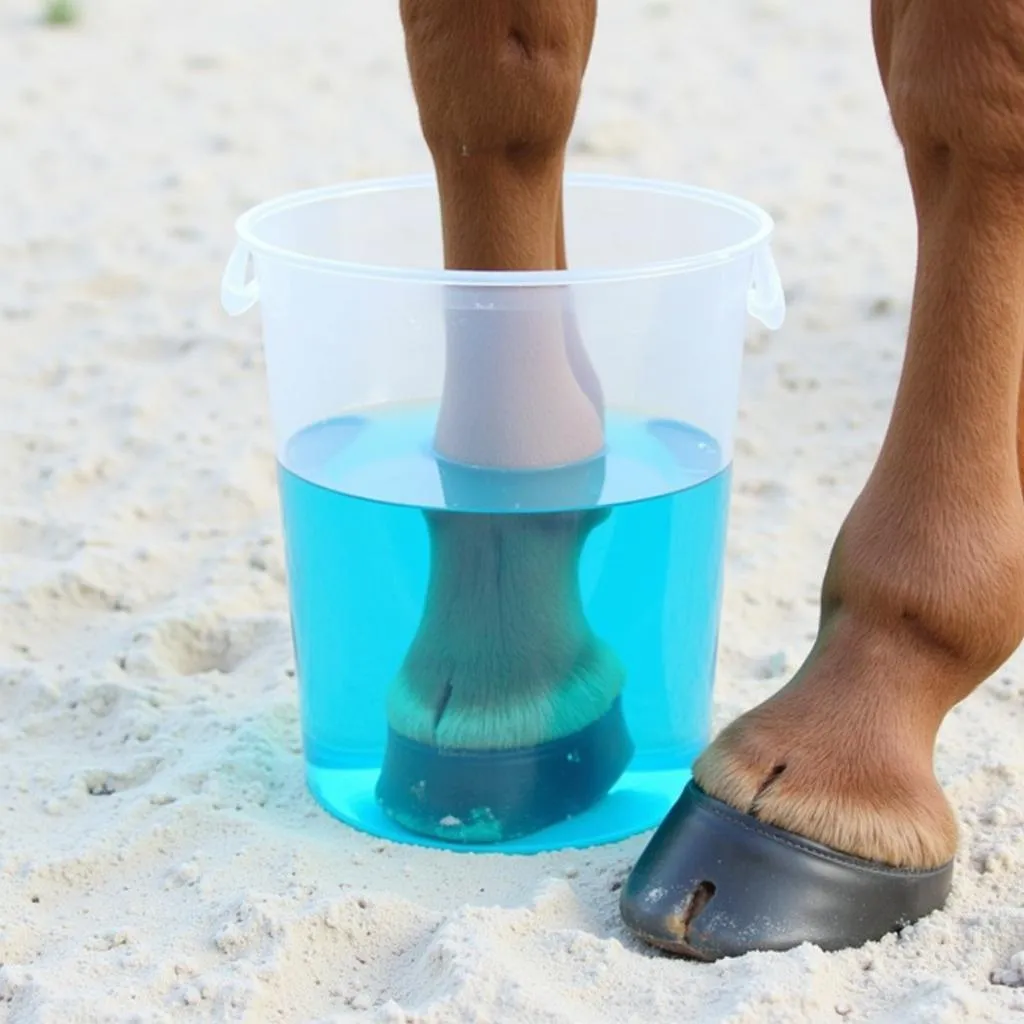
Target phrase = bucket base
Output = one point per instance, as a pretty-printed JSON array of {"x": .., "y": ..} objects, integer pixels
[{"x": 637, "y": 803}]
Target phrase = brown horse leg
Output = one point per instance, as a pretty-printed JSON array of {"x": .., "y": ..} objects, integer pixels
[
  {"x": 1020, "y": 432},
  {"x": 497, "y": 85},
  {"x": 923, "y": 597}
]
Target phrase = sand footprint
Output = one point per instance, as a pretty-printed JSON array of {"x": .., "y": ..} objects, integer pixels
[
  {"x": 364, "y": 945},
  {"x": 106, "y": 782},
  {"x": 85, "y": 783},
  {"x": 195, "y": 646},
  {"x": 61, "y": 598}
]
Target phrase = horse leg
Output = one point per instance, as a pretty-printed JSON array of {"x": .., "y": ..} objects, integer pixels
[
  {"x": 923, "y": 596},
  {"x": 497, "y": 85}
]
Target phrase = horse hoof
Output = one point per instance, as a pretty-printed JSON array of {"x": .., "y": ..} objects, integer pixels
[
  {"x": 491, "y": 796},
  {"x": 714, "y": 882}
]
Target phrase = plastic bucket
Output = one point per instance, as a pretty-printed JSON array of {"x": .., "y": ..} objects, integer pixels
[{"x": 512, "y": 653}]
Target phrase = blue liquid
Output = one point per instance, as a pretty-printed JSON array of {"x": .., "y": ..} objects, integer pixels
[{"x": 353, "y": 495}]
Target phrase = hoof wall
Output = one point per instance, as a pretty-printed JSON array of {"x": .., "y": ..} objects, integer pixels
[
  {"x": 714, "y": 882},
  {"x": 484, "y": 796}
]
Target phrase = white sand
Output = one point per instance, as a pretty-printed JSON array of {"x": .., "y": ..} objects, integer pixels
[{"x": 159, "y": 856}]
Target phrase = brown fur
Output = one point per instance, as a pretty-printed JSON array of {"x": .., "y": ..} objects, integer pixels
[
  {"x": 923, "y": 596},
  {"x": 497, "y": 83},
  {"x": 924, "y": 593}
]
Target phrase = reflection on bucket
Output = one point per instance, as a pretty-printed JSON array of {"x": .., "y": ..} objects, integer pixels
[{"x": 493, "y": 658}]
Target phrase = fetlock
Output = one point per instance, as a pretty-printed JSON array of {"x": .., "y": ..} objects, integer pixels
[{"x": 942, "y": 584}]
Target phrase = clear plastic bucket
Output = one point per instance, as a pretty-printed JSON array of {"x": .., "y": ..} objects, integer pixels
[{"x": 504, "y": 499}]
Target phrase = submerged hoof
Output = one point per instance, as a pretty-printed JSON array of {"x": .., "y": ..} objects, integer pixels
[{"x": 492, "y": 796}]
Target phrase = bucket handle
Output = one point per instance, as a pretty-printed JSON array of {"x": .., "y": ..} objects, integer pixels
[
  {"x": 238, "y": 291},
  {"x": 766, "y": 301}
]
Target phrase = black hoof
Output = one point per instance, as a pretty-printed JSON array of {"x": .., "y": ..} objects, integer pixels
[
  {"x": 492, "y": 796},
  {"x": 714, "y": 882}
]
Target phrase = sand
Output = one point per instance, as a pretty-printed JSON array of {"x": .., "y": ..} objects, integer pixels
[{"x": 160, "y": 859}]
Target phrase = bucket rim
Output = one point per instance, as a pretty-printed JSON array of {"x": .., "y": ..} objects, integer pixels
[{"x": 762, "y": 225}]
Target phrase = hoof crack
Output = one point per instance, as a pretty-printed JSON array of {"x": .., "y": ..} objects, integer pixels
[
  {"x": 699, "y": 899},
  {"x": 765, "y": 786},
  {"x": 442, "y": 706}
]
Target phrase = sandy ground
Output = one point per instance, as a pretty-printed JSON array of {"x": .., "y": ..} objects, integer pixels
[{"x": 159, "y": 856}]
